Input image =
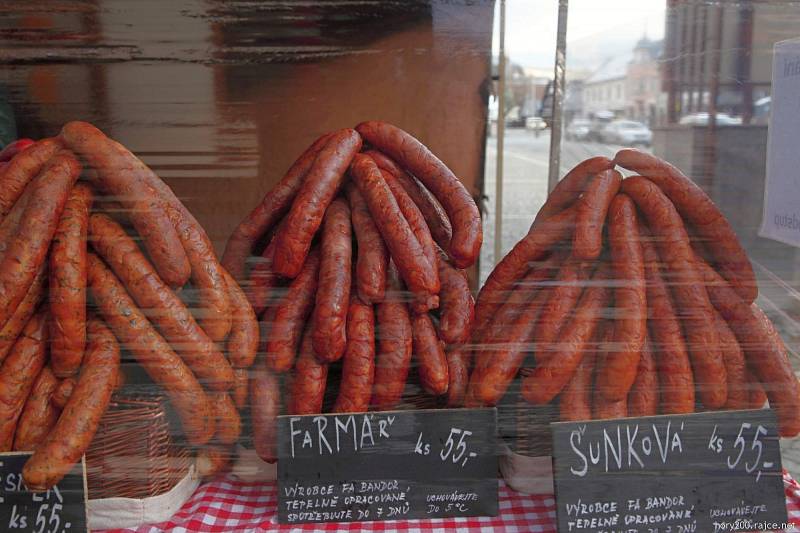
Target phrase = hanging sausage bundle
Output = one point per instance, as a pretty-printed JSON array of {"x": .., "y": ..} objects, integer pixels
[
  {"x": 359, "y": 258},
  {"x": 653, "y": 315},
  {"x": 60, "y": 364}
]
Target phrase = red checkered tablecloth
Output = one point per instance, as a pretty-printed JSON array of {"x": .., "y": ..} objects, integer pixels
[{"x": 228, "y": 505}]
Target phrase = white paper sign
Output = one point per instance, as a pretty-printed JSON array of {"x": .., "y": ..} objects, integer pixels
[{"x": 781, "y": 220}]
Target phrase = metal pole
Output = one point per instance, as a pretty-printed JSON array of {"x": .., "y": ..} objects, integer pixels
[
  {"x": 501, "y": 131},
  {"x": 558, "y": 96}
]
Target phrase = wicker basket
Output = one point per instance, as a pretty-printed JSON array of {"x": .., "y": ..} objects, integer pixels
[{"x": 133, "y": 453}]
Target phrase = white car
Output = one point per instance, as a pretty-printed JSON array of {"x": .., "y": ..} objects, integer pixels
[
  {"x": 578, "y": 129},
  {"x": 626, "y": 132},
  {"x": 701, "y": 119},
  {"x": 535, "y": 123}
]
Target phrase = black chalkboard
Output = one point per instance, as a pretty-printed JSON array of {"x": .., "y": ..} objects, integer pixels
[
  {"x": 61, "y": 509},
  {"x": 704, "y": 472},
  {"x": 387, "y": 465}
]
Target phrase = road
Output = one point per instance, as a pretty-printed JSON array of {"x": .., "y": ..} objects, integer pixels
[{"x": 526, "y": 164}]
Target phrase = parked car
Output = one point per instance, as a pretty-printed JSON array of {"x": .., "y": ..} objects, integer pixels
[
  {"x": 535, "y": 123},
  {"x": 626, "y": 132},
  {"x": 701, "y": 119},
  {"x": 578, "y": 130},
  {"x": 597, "y": 124}
]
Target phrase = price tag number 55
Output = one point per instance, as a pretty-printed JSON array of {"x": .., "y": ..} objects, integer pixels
[
  {"x": 456, "y": 447},
  {"x": 752, "y": 461}
]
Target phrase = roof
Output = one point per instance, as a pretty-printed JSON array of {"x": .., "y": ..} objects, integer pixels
[{"x": 612, "y": 68}]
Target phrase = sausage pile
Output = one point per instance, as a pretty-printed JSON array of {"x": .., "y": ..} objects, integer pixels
[
  {"x": 634, "y": 297},
  {"x": 363, "y": 219},
  {"x": 60, "y": 362}
]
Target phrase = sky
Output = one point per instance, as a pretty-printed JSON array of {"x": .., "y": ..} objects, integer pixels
[{"x": 531, "y": 27}]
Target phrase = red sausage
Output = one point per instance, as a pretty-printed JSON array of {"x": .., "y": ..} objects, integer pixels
[
  {"x": 394, "y": 341},
  {"x": 358, "y": 366},
  {"x": 406, "y": 251},
  {"x": 429, "y": 352},
  {"x": 307, "y": 389},
  {"x": 290, "y": 314},
  {"x": 699, "y": 210},
  {"x": 687, "y": 290},
  {"x": 262, "y": 279},
  {"x": 592, "y": 208},
  {"x": 602, "y": 407},
  {"x": 373, "y": 257},
  {"x": 575, "y": 401},
  {"x": 458, "y": 374},
  {"x": 456, "y": 304},
  {"x": 440, "y": 180},
  {"x": 293, "y": 239},
  {"x": 265, "y": 406},
  {"x": 275, "y": 204},
  {"x": 735, "y": 365},
  {"x": 630, "y": 301},
  {"x": 25, "y": 166},
  {"x": 333, "y": 288},
  {"x": 643, "y": 397},
  {"x": 666, "y": 337},
  {"x": 431, "y": 209}
]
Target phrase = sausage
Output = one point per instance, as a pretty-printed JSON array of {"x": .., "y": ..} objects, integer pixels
[
  {"x": 666, "y": 338},
  {"x": 575, "y": 401},
  {"x": 39, "y": 414},
  {"x": 591, "y": 214},
  {"x": 333, "y": 286},
  {"x": 265, "y": 406},
  {"x": 735, "y": 365},
  {"x": 433, "y": 212},
  {"x": 213, "y": 460},
  {"x": 570, "y": 187},
  {"x": 458, "y": 374},
  {"x": 307, "y": 389},
  {"x": 10, "y": 224},
  {"x": 13, "y": 148},
  {"x": 430, "y": 356},
  {"x": 266, "y": 214},
  {"x": 241, "y": 387},
  {"x": 122, "y": 174},
  {"x": 757, "y": 396},
  {"x": 373, "y": 258},
  {"x": 394, "y": 345},
  {"x": 227, "y": 422},
  {"x": 763, "y": 348},
  {"x": 456, "y": 304},
  {"x": 262, "y": 279},
  {"x": 550, "y": 377},
  {"x": 458, "y": 203},
  {"x": 406, "y": 251},
  {"x": 699, "y": 210},
  {"x": 519, "y": 294},
  {"x": 25, "y": 310},
  {"x": 686, "y": 287},
  {"x": 643, "y": 397},
  {"x": 23, "y": 168},
  {"x": 206, "y": 272},
  {"x": 505, "y": 351},
  {"x": 562, "y": 298},
  {"x": 152, "y": 352},
  {"x": 63, "y": 391},
  {"x": 293, "y": 239},
  {"x": 242, "y": 342},
  {"x": 18, "y": 375},
  {"x": 513, "y": 266},
  {"x": 68, "y": 284},
  {"x": 602, "y": 408},
  {"x": 630, "y": 301},
  {"x": 289, "y": 316},
  {"x": 415, "y": 221},
  {"x": 72, "y": 434},
  {"x": 167, "y": 312},
  {"x": 28, "y": 247},
  {"x": 358, "y": 364}
]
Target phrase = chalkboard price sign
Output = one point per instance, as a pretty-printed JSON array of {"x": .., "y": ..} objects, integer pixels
[
  {"x": 704, "y": 472},
  {"x": 387, "y": 465},
  {"x": 61, "y": 509}
]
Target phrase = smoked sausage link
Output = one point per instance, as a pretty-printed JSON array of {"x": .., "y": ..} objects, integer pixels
[
  {"x": 358, "y": 365},
  {"x": 72, "y": 434},
  {"x": 439, "y": 179}
]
